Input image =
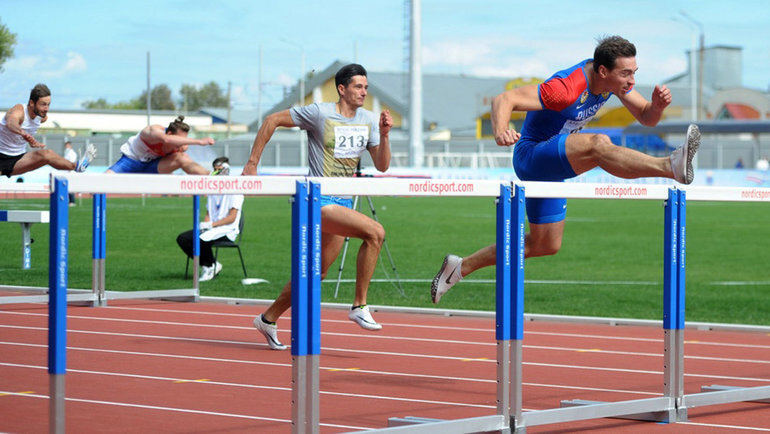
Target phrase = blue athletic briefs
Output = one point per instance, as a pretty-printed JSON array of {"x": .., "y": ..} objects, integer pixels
[
  {"x": 336, "y": 200},
  {"x": 129, "y": 165}
]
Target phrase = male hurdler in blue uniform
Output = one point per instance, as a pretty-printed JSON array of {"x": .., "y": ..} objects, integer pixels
[{"x": 550, "y": 146}]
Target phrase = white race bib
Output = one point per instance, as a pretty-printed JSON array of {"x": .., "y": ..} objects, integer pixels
[
  {"x": 350, "y": 140},
  {"x": 571, "y": 127}
]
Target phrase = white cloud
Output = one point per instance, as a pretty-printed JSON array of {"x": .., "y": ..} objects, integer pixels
[
  {"x": 22, "y": 64},
  {"x": 456, "y": 53},
  {"x": 49, "y": 66},
  {"x": 240, "y": 98},
  {"x": 285, "y": 80},
  {"x": 505, "y": 56}
]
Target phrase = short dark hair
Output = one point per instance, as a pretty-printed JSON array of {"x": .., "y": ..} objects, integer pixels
[
  {"x": 219, "y": 161},
  {"x": 609, "y": 49},
  {"x": 346, "y": 73},
  {"x": 178, "y": 125},
  {"x": 39, "y": 91}
]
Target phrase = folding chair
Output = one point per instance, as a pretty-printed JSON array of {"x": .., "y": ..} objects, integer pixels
[{"x": 226, "y": 244}]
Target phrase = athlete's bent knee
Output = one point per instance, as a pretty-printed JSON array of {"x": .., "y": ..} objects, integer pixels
[
  {"x": 48, "y": 155},
  {"x": 376, "y": 235},
  {"x": 600, "y": 143},
  {"x": 546, "y": 248}
]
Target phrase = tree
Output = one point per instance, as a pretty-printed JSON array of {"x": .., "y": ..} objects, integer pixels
[
  {"x": 160, "y": 98},
  {"x": 102, "y": 104},
  {"x": 99, "y": 104},
  {"x": 7, "y": 42},
  {"x": 209, "y": 95}
]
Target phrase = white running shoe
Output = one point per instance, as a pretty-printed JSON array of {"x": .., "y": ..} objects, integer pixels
[
  {"x": 87, "y": 158},
  {"x": 270, "y": 331},
  {"x": 363, "y": 317},
  {"x": 207, "y": 273},
  {"x": 681, "y": 158},
  {"x": 448, "y": 275}
]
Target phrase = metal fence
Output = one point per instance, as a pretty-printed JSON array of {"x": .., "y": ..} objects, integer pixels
[{"x": 717, "y": 151}]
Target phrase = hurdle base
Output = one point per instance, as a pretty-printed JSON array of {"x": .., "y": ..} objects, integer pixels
[
  {"x": 39, "y": 294},
  {"x": 495, "y": 423},
  {"x": 411, "y": 420},
  {"x": 738, "y": 390},
  {"x": 665, "y": 416},
  {"x": 161, "y": 294}
]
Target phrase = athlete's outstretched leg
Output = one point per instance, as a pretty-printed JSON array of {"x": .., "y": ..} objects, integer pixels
[{"x": 542, "y": 240}]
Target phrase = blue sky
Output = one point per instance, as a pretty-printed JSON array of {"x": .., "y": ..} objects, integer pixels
[{"x": 86, "y": 50}]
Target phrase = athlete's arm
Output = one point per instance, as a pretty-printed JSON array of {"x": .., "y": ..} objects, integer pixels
[
  {"x": 646, "y": 112},
  {"x": 275, "y": 120},
  {"x": 381, "y": 153},
  {"x": 523, "y": 98},
  {"x": 153, "y": 134},
  {"x": 13, "y": 120}
]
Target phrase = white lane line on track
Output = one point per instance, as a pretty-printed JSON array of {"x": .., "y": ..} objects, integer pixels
[
  {"x": 274, "y": 388},
  {"x": 179, "y": 410},
  {"x": 242, "y": 416},
  {"x": 729, "y": 427},
  {"x": 427, "y": 340},
  {"x": 363, "y": 371},
  {"x": 215, "y": 383},
  {"x": 429, "y": 356},
  {"x": 526, "y": 333},
  {"x": 739, "y": 283}
]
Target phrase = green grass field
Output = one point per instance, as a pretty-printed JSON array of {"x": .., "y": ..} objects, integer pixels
[{"x": 610, "y": 265}]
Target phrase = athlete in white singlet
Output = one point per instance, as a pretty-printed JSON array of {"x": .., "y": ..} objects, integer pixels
[
  {"x": 17, "y": 130},
  {"x": 160, "y": 150}
]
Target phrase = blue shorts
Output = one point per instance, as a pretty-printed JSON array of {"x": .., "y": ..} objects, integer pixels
[
  {"x": 336, "y": 200},
  {"x": 129, "y": 165},
  {"x": 543, "y": 161}
]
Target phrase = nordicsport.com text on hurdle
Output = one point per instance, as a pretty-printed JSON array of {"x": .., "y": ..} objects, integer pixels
[
  {"x": 206, "y": 183},
  {"x": 616, "y": 191},
  {"x": 755, "y": 194},
  {"x": 440, "y": 187}
]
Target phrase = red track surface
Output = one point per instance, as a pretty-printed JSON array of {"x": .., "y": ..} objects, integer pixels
[{"x": 147, "y": 366}]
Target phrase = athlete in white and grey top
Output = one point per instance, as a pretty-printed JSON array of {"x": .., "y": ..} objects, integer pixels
[
  {"x": 337, "y": 135},
  {"x": 336, "y": 142}
]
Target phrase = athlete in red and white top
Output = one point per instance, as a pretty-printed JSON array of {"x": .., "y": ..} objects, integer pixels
[
  {"x": 551, "y": 147},
  {"x": 160, "y": 150}
]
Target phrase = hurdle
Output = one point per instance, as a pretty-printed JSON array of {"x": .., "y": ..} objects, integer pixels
[
  {"x": 26, "y": 218},
  {"x": 99, "y": 265},
  {"x": 670, "y": 407},
  {"x": 101, "y": 184}
]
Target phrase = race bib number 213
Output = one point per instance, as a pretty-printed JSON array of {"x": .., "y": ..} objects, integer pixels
[{"x": 350, "y": 140}]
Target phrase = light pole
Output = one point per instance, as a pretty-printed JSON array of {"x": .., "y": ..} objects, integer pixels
[
  {"x": 416, "y": 146},
  {"x": 700, "y": 61},
  {"x": 302, "y": 136},
  {"x": 691, "y": 73}
]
